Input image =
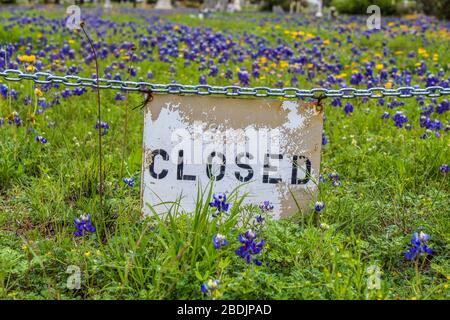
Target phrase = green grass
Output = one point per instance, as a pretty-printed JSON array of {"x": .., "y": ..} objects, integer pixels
[{"x": 391, "y": 187}]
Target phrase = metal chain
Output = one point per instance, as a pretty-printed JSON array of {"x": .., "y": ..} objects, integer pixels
[{"x": 175, "y": 88}]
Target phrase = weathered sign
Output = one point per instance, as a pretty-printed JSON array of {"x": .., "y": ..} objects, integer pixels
[{"x": 269, "y": 147}]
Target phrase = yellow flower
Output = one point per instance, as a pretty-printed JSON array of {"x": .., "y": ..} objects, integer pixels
[
  {"x": 326, "y": 42},
  {"x": 388, "y": 85},
  {"x": 71, "y": 41},
  {"x": 422, "y": 51},
  {"x": 38, "y": 92},
  {"x": 25, "y": 247},
  {"x": 26, "y": 58},
  {"x": 87, "y": 254},
  {"x": 283, "y": 64},
  {"x": 30, "y": 68},
  {"x": 379, "y": 66}
]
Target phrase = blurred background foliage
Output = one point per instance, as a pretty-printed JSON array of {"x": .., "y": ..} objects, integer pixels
[{"x": 438, "y": 8}]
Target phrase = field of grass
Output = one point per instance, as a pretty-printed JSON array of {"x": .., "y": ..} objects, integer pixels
[{"x": 390, "y": 183}]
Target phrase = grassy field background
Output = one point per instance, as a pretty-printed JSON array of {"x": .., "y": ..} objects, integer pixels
[{"x": 390, "y": 182}]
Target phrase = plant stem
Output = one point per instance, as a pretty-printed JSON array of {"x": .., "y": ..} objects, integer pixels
[{"x": 99, "y": 118}]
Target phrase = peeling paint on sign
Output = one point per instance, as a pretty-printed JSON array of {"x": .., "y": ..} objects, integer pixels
[{"x": 270, "y": 147}]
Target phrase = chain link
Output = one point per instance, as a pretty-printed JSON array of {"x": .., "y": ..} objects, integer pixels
[{"x": 175, "y": 88}]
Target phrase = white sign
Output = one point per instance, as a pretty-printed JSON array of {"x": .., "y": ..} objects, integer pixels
[{"x": 271, "y": 148}]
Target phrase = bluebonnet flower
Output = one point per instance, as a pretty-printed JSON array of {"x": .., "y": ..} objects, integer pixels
[
  {"x": 102, "y": 125},
  {"x": 334, "y": 177},
  {"x": 249, "y": 248},
  {"x": 202, "y": 79},
  {"x": 129, "y": 182},
  {"x": 219, "y": 241},
  {"x": 243, "y": 77},
  {"x": 2, "y": 121},
  {"x": 399, "y": 119},
  {"x": 319, "y": 206},
  {"x": 41, "y": 139},
  {"x": 418, "y": 246},
  {"x": 83, "y": 225},
  {"x": 119, "y": 96},
  {"x": 324, "y": 138},
  {"x": 348, "y": 108},
  {"x": 219, "y": 202},
  {"x": 385, "y": 115},
  {"x": 444, "y": 168},
  {"x": 266, "y": 206},
  {"x": 211, "y": 288},
  {"x": 336, "y": 102}
]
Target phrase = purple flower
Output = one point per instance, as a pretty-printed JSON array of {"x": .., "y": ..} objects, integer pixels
[
  {"x": 385, "y": 115},
  {"x": 219, "y": 202},
  {"x": 83, "y": 225},
  {"x": 444, "y": 168},
  {"x": 249, "y": 247},
  {"x": 41, "y": 139},
  {"x": 219, "y": 241},
  {"x": 399, "y": 119},
  {"x": 210, "y": 287},
  {"x": 104, "y": 126},
  {"x": 319, "y": 206},
  {"x": 119, "y": 96},
  {"x": 266, "y": 206},
  {"x": 419, "y": 246},
  {"x": 243, "y": 77},
  {"x": 324, "y": 138},
  {"x": 129, "y": 182},
  {"x": 348, "y": 108}
]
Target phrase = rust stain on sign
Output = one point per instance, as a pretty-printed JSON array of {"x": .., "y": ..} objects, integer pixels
[{"x": 270, "y": 145}]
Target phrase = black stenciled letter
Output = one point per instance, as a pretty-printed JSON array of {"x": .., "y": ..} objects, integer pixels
[
  {"x": 222, "y": 166},
  {"x": 151, "y": 168},
  {"x": 294, "y": 179},
  {"x": 180, "y": 175},
  {"x": 244, "y": 166},
  {"x": 268, "y": 168}
]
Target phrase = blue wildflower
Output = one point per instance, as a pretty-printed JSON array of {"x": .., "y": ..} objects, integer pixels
[
  {"x": 249, "y": 248},
  {"x": 385, "y": 115},
  {"x": 444, "y": 168},
  {"x": 219, "y": 202},
  {"x": 211, "y": 288},
  {"x": 83, "y": 224},
  {"x": 266, "y": 206},
  {"x": 418, "y": 246},
  {"x": 319, "y": 206},
  {"x": 324, "y": 138},
  {"x": 348, "y": 108},
  {"x": 40, "y": 139},
  {"x": 129, "y": 182},
  {"x": 219, "y": 241},
  {"x": 119, "y": 96},
  {"x": 399, "y": 119},
  {"x": 102, "y": 125}
]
